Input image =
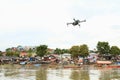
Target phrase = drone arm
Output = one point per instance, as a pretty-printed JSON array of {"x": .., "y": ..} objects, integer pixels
[
  {"x": 69, "y": 23},
  {"x": 83, "y": 21}
]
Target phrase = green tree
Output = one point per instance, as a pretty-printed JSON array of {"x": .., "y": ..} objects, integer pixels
[
  {"x": 74, "y": 51},
  {"x": 16, "y": 53},
  {"x": 114, "y": 51},
  {"x": 9, "y": 52},
  {"x": 58, "y": 51},
  {"x": 103, "y": 48},
  {"x": 41, "y": 50},
  {"x": 65, "y": 51},
  {"x": 30, "y": 50},
  {"x": 84, "y": 51},
  {"x": 0, "y": 53},
  {"x": 29, "y": 54},
  {"x": 81, "y": 50}
]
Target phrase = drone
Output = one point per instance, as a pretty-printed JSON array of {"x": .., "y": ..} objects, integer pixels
[{"x": 76, "y": 22}]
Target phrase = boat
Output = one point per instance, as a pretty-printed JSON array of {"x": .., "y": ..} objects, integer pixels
[
  {"x": 23, "y": 63},
  {"x": 113, "y": 66},
  {"x": 117, "y": 65},
  {"x": 37, "y": 65},
  {"x": 71, "y": 66},
  {"x": 104, "y": 62},
  {"x": 101, "y": 63}
]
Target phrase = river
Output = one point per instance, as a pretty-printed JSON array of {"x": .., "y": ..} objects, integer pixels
[{"x": 14, "y": 72}]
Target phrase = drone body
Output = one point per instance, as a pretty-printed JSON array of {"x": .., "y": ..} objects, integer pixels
[{"x": 76, "y": 22}]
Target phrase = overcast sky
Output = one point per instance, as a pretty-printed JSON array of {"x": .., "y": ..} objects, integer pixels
[{"x": 36, "y": 22}]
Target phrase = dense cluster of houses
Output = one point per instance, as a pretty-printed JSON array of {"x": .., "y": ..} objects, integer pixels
[{"x": 51, "y": 58}]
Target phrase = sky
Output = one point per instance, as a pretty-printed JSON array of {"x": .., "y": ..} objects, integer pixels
[{"x": 38, "y": 22}]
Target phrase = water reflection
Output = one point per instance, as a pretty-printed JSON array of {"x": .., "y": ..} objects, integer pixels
[
  {"x": 59, "y": 74},
  {"x": 10, "y": 70},
  {"x": 80, "y": 75},
  {"x": 41, "y": 74},
  {"x": 110, "y": 75},
  {"x": 116, "y": 74},
  {"x": 17, "y": 72}
]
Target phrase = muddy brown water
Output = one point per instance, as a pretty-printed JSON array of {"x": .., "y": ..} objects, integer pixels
[{"x": 18, "y": 72}]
